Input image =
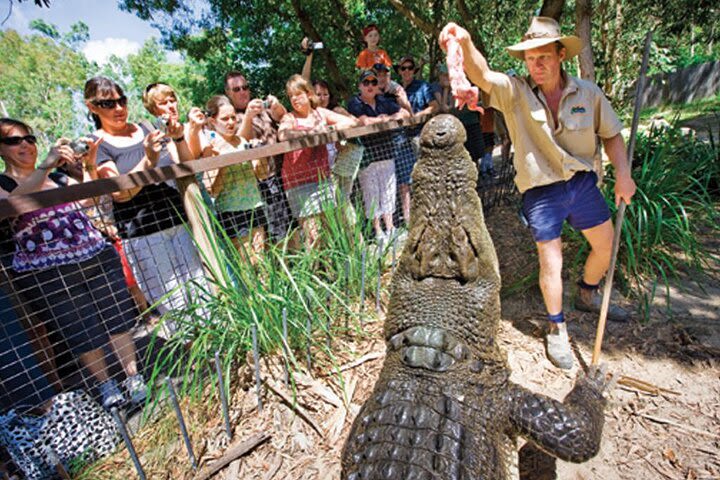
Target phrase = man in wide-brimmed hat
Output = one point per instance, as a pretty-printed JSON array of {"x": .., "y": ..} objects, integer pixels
[{"x": 554, "y": 121}]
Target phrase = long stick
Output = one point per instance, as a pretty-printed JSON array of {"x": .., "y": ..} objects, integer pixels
[{"x": 621, "y": 209}]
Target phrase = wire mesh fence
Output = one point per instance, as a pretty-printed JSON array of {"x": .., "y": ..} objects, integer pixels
[{"x": 108, "y": 286}]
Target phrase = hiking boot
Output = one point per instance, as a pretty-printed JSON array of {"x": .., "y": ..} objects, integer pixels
[
  {"x": 557, "y": 345},
  {"x": 591, "y": 301},
  {"x": 136, "y": 389},
  {"x": 110, "y": 394}
]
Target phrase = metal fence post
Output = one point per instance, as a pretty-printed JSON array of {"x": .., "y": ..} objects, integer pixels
[
  {"x": 181, "y": 421},
  {"x": 223, "y": 395},
  {"x": 128, "y": 443},
  {"x": 256, "y": 359}
]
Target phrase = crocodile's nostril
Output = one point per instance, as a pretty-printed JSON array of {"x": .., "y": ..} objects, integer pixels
[{"x": 441, "y": 134}]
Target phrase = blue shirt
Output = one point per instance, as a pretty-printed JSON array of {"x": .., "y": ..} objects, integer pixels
[
  {"x": 384, "y": 105},
  {"x": 420, "y": 94},
  {"x": 378, "y": 146}
]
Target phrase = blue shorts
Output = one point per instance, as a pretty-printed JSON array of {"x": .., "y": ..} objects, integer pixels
[{"x": 577, "y": 200}]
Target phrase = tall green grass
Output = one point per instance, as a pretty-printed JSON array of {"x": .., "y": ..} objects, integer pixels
[
  {"x": 676, "y": 204},
  {"x": 322, "y": 283}
]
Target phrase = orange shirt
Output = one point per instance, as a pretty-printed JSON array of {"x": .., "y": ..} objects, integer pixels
[{"x": 367, "y": 59}]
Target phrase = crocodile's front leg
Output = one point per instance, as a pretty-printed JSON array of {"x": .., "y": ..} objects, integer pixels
[{"x": 570, "y": 430}]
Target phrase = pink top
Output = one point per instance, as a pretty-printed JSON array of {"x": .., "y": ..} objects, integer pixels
[{"x": 307, "y": 165}]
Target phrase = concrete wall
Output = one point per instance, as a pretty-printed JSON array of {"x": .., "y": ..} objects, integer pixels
[{"x": 686, "y": 85}]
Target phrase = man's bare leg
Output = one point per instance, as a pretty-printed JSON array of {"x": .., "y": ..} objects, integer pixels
[
  {"x": 596, "y": 266},
  {"x": 557, "y": 340},
  {"x": 598, "y": 261},
  {"x": 550, "y": 257}
]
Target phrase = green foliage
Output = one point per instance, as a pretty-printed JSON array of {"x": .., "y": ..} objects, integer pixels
[
  {"x": 696, "y": 108},
  {"x": 685, "y": 32},
  {"x": 307, "y": 283},
  {"x": 262, "y": 38},
  {"x": 150, "y": 65},
  {"x": 677, "y": 178},
  {"x": 43, "y": 75},
  {"x": 40, "y": 80}
]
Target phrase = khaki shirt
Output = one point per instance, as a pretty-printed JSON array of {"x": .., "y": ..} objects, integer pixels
[{"x": 546, "y": 153}]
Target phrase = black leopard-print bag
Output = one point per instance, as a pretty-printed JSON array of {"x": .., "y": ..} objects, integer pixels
[{"x": 74, "y": 432}]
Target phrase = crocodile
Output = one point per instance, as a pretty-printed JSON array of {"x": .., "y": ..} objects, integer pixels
[{"x": 443, "y": 406}]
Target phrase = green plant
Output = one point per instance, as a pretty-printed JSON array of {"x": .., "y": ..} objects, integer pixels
[
  {"x": 677, "y": 177},
  {"x": 321, "y": 283}
]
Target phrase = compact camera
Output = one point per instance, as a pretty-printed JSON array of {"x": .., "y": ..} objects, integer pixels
[
  {"x": 79, "y": 147},
  {"x": 311, "y": 47},
  {"x": 161, "y": 123}
]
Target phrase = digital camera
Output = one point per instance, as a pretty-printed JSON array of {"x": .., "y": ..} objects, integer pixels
[
  {"x": 79, "y": 147},
  {"x": 161, "y": 123}
]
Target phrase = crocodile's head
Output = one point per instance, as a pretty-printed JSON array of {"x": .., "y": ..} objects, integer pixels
[{"x": 447, "y": 277}]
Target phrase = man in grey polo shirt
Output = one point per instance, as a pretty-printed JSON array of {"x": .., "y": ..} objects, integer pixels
[{"x": 554, "y": 121}]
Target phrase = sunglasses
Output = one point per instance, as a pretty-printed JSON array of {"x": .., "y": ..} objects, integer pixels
[
  {"x": 244, "y": 88},
  {"x": 370, "y": 82},
  {"x": 406, "y": 67},
  {"x": 14, "y": 141},
  {"x": 110, "y": 104}
]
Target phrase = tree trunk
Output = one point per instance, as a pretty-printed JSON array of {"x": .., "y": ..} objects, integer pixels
[
  {"x": 602, "y": 13},
  {"x": 583, "y": 27},
  {"x": 552, "y": 9},
  {"x": 469, "y": 21},
  {"x": 423, "y": 25},
  {"x": 613, "y": 60},
  {"x": 310, "y": 30}
]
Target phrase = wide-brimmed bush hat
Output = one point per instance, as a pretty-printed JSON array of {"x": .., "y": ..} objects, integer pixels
[{"x": 544, "y": 31}]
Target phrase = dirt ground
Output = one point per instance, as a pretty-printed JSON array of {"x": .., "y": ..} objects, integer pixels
[{"x": 673, "y": 433}]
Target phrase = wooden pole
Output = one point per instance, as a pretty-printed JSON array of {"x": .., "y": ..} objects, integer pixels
[
  {"x": 621, "y": 209},
  {"x": 200, "y": 222}
]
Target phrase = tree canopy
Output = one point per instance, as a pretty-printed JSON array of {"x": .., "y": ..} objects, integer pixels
[
  {"x": 43, "y": 73},
  {"x": 261, "y": 37}
]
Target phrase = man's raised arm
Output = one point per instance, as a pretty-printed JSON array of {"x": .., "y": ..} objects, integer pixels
[{"x": 476, "y": 67}]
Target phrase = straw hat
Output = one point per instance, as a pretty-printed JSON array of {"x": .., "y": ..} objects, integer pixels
[{"x": 544, "y": 31}]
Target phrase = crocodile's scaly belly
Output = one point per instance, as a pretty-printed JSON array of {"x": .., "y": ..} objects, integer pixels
[{"x": 414, "y": 429}]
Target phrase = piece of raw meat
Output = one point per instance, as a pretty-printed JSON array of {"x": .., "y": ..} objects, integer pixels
[{"x": 463, "y": 91}]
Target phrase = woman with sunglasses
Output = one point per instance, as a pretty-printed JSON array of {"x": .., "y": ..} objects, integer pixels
[
  {"x": 62, "y": 264},
  {"x": 306, "y": 172},
  {"x": 149, "y": 219},
  {"x": 377, "y": 168}
]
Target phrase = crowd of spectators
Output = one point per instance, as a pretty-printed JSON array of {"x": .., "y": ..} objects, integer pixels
[{"x": 85, "y": 271}]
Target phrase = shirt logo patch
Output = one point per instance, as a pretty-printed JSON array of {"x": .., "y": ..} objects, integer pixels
[{"x": 577, "y": 109}]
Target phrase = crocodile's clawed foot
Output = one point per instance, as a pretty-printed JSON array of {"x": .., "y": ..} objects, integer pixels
[{"x": 597, "y": 378}]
